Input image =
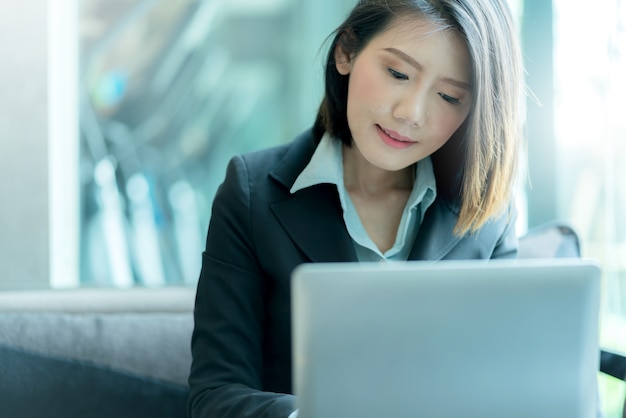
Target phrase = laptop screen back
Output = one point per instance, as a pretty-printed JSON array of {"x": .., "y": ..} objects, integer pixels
[{"x": 447, "y": 339}]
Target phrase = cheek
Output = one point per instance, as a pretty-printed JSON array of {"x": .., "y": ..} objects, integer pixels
[
  {"x": 447, "y": 123},
  {"x": 365, "y": 88}
]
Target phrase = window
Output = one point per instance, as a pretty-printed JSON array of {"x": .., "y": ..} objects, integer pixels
[{"x": 590, "y": 132}]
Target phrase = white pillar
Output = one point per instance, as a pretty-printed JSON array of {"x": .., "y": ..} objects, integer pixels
[{"x": 63, "y": 156}]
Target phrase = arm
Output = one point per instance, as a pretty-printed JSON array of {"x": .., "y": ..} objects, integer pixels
[
  {"x": 507, "y": 244},
  {"x": 227, "y": 342}
]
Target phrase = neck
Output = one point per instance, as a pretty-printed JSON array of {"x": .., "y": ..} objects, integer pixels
[{"x": 362, "y": 177}]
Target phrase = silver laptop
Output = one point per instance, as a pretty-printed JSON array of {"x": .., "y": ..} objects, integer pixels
[{"x": 513, "y": 339}]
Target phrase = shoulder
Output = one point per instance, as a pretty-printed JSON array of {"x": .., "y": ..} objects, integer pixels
[
  {"x": 264, "y": 158},
  {"x": 282, "y": 162},
  {"x": 253, "y": 180},
  {"x": 495, "y": 239},
  {"x": 498, "y": 237},
  {"x": 267, "y": 172}
]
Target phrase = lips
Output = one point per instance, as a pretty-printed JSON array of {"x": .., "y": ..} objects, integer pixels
[{"x": 394, "y": 139}]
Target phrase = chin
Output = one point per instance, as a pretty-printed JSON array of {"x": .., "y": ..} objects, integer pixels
[{"x": 389, "y": 166}]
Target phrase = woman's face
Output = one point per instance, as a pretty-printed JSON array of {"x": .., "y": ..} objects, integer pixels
[{"x": 409, "y": 91}]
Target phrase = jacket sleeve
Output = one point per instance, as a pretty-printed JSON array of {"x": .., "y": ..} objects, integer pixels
[
  {"x": 227, "y": 343},
  {"x": 506, "y": 246}
]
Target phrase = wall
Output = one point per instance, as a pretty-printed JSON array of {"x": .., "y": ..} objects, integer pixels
[{"x": 23, "y": 145}]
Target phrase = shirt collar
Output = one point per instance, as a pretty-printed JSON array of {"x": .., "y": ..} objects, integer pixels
[{"x": 326, "y": 166}]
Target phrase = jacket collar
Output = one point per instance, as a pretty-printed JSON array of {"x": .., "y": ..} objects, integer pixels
[{"x": 313, "y": 217}]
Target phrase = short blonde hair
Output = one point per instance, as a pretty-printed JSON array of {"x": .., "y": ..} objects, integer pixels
[{"x": 478, "y": 168}]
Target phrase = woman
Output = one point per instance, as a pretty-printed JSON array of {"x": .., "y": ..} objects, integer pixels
[{"x": 413, "y": 156}]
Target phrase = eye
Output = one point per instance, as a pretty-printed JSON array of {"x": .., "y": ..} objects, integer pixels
[
  {"x": 450, "y": 99},
  {"x": 397, "y": 75}
]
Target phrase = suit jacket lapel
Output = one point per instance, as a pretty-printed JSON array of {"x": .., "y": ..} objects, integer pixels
[
  {"x": 435, "y": 237},
  {"x": 314, "y": 220},
  {"x": 312, "y": 217}
]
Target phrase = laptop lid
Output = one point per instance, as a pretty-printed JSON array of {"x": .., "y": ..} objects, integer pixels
[{"x": 516, "y": 338}]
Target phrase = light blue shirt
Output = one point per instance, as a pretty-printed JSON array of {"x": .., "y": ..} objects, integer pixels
[{"x": 326, "y": 166}]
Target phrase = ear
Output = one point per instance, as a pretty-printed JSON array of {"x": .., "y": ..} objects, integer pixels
[{"x": 343, "y": 60}]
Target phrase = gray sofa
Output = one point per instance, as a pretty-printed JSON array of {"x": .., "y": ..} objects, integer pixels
[
  {"x": 101, "y": 353},
  {"x": 95, "y": 353}
]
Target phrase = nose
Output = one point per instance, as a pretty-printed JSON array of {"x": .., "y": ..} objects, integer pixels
[{"x": 411, "y": 107}]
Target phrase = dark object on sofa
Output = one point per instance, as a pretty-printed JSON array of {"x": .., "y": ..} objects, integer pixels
[{"x": 613, "y": 364}]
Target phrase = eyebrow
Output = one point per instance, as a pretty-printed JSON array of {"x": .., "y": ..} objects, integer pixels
[{"x": 412, "y": 62}]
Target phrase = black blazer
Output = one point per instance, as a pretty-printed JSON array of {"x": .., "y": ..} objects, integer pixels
[{"x": 258, "y": 233}]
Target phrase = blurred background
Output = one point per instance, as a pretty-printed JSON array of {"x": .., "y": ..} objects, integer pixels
[
  {"x": 168, "y": 92},
  {"x": 118, "y": 118}
]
